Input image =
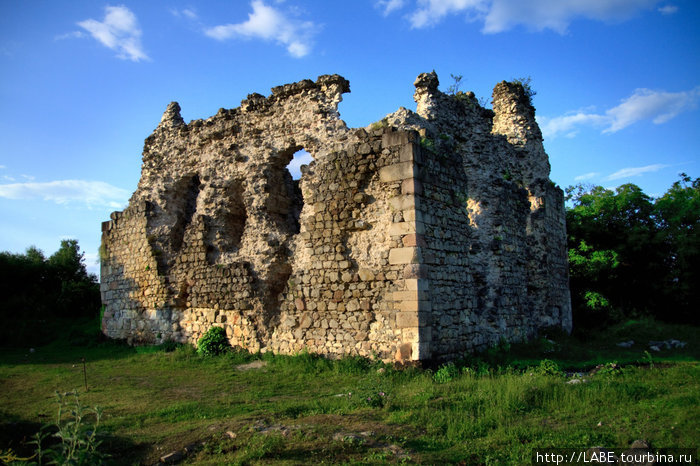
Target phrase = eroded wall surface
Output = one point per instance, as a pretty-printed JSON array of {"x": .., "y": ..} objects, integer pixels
[{"x": 425, "y": 235}]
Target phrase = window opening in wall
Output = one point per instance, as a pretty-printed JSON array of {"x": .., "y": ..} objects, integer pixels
[{"x": 300, "y": 157}]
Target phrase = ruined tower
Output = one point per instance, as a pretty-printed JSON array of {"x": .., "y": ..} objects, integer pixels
[{"x": 424, "y": 235}]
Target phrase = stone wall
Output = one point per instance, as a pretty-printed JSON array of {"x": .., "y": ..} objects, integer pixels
[{"x": 423, "y": 236}]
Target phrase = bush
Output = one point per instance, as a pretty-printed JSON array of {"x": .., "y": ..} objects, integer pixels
[{"x": 213, "y": 342}]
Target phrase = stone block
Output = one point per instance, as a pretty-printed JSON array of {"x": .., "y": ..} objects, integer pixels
[
  {"x": 412, "y": 319},
  {"x": 416, "y": 284},
  {"x": 415, "y": 271},
  {"x": 406, "y": 228},
  {"x": 409, "y": 295},
  {"x": 414, "y": 239},
  {"x": 397, "y": 172},
  {"x": 404, "y": 256},
  {"x": 411, "y": 186},
  {"x": 413, "y": 215},
  {"x": 394, "y": 138},
  {"x": 408, "y": 153},
  {"x": 404, "y": 202},
  {"x": 412, "y": 306}
]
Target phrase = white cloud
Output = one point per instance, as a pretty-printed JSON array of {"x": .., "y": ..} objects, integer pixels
[
  {"x": 431, "y": 12},
  {"x": 90, "y": 193},
  {"x": 635, "y": 171},
  {"x": 70, "y": 35},
  {"x": 658, "y": 106},
  {"x": 268, "y": 23},
  {"x": 8, "y": 178},
  {"x": 118, "y": 31},
  {"x": 2, "y": 167},
  {"x": 643, "y": 104},
  {"x": 186, "y": 12},
  {"x": 388, "y": 6},
  {"x": 557, "y": 14},
  {"x": 586, "y": 176},
  {"x": 668, "y": 9},
  {"x": 502, "y": 15},
  {"x": 568, "y": 124}
]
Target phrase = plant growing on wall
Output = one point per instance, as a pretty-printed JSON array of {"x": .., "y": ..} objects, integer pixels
[{"x": 526, "y": 83}]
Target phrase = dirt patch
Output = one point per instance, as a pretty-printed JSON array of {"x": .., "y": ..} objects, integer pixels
[{"x": 251, "y": 365}]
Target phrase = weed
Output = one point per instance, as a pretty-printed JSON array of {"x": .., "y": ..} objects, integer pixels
[
  {"x": 446, "y": 373},
  {"x": 427, "y": 144},
  {"x": 526, "y": 83},
  {"x": 548, "y": 367},
  {"x": 383, "y": 123},
  {"x": 77, "y": 434},
  {"x": 453, "y": 88},
  {"x": 609, "y": 369}
]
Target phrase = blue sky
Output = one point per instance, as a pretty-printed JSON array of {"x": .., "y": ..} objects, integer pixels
[{"x": 83, "y": 83}]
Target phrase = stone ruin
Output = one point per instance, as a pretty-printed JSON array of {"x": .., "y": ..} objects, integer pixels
[{"x": 425, "y": 235}]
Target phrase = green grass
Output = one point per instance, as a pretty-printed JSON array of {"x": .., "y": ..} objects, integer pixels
[{"x": 493, "y": 408}]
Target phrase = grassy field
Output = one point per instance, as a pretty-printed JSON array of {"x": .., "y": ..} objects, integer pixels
[{"x": 491, "y": 409}]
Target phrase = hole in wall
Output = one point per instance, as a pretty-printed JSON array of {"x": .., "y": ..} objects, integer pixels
[
  {"x": 285, "y": 201},
  {"x": 299, "y": 158}
]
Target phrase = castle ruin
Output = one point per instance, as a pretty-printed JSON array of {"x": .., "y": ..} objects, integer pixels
[{"x": 425, "y": 235}]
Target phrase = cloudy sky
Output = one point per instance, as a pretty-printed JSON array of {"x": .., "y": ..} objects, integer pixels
[{"x": 83, "y": 83}]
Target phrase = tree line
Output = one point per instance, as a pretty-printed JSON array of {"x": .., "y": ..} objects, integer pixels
[
  {"x": 631, "y": 255},
  {"x": 37, "y": 291}
]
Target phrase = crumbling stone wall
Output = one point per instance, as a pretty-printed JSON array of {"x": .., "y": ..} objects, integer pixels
[{"x": 426, "y": 235}]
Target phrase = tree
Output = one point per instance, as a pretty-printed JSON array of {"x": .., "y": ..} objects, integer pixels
[
  {"x": 678, "y": 214},
  {"x": 77, "y": 292},
  {"x": 632, "y": 255},
  {"x": 614, "y": 259},
  {"x": 36, "y": 290}
]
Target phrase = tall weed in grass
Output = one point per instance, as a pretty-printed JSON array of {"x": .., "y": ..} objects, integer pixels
[{"x": 74, "y": 436}]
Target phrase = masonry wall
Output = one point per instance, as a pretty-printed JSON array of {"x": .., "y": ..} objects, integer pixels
[
  {"x": 490, "y": 223},
  {"x": 426, "y": 235}
]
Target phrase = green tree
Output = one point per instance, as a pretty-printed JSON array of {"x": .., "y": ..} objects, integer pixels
[
  {"x": 77, "y": 292},
  {"x": 615, "y": 262},
  {"x": 631, "y": 255},
  {"x": 678, "y": 214},
  {"x": 36, "y": 291}
]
